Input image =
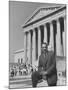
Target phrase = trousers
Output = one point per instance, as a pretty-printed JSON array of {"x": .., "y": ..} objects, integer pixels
[{"x": 36, "y": 77}]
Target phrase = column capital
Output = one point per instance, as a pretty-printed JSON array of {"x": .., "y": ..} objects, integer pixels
[
  {"x": 64, "y": 17},
  {"x": 45, "y": 24},
  {"x": 51, "y": 23},
  {"x": 56, "y": 20},
  {"x": 38, "y": 27}
]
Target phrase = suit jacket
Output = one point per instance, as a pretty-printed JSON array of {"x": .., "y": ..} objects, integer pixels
[{"x": 48, "y": 63}]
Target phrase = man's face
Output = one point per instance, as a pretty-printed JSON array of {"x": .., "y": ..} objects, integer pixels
[{"x": 44, "y": 48}]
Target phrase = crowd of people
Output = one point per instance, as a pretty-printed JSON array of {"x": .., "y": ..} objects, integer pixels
[{"x": 18, "y": 70}]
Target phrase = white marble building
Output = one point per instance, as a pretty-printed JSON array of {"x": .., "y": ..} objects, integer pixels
[
  {"x": 19, "y": 56},
  {"x": 45, "y": 25}
]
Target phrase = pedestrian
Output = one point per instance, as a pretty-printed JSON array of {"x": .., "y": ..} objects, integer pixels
[
  {"x": 46, "y": 68},
  {"x": 12, "y": 73}
]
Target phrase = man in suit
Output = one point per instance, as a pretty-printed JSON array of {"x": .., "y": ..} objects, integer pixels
[{"x": 46, "y": 68}]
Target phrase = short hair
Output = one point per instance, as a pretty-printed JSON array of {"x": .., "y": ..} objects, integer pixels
[{"x": 45, "y": 44}]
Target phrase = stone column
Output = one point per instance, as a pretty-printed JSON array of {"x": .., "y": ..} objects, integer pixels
[
  {"x": 39, "y": 42},
  {"x": 29, "y": 47},
  {"x": 25, "y": 47},
  {"x": 34, "y": 48},
  {"x": 58, "y": 40},
  {"x": 45, "y": 33},
  {"x": 64, "y": 40},
  {"x": 51, "y": 43}
]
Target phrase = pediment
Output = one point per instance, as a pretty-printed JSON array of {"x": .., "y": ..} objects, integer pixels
[{"x": 41, "y": 12}]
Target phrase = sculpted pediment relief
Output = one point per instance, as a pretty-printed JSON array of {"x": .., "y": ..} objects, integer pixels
[{"x": 41, "y": 12}]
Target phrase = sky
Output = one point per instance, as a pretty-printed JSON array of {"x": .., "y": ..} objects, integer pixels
[{"x": 19, "y": 11}]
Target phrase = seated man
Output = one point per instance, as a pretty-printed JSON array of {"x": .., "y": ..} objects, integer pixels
[{"x": 46, "y": 67}]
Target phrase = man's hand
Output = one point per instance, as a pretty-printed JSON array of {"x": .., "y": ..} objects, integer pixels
[{"x": 43, "y": 72}]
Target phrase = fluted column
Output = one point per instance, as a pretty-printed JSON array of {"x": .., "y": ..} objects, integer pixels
[
  {"x": 45, "y": 33},
  {"x": 29, "y": 47},
  {"x": 51, "y": 43},
  {"x": 25, "y": 47},
  {"x": 34, "y": 47},
  {"x": 64, "y": 40},
  {"x": 39, "y": 42},
  {"x": 58, "y": 40}
]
